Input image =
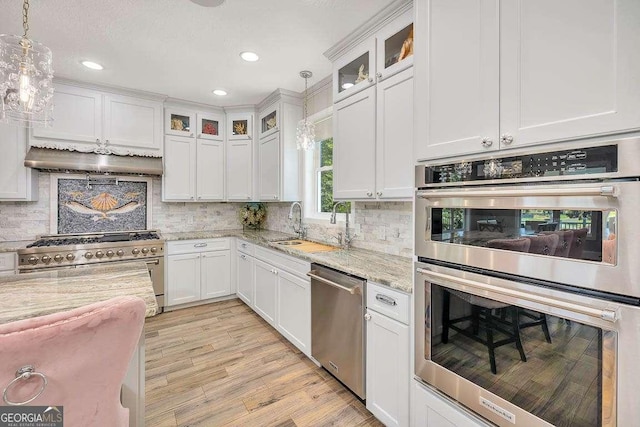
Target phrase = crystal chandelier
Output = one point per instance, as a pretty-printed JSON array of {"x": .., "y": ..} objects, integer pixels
[
  {"x": 306, "y": 131},
  {"x": 25, "y": 78}
]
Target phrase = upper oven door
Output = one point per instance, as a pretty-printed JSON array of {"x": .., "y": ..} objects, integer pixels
[{"x": 577, "y": 234}]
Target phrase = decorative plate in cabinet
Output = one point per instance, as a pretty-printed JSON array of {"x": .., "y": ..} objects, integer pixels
[
  {"x": 210, "y": 126},
  {"x": 179, "y": 123}
]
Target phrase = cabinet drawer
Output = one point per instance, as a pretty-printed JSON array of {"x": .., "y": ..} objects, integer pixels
[
  {"x": 293, "y": 265},
  {"x": 245, "y": 247},
  {"x": 194, "y": 246},
  {"x": 387, "y": 301},
  {"x": 7, "y": 261}
]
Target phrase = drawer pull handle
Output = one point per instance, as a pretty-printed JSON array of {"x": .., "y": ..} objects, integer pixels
[
  {"x": 200, "y": 245},
  {"x": 386, "y": 299}
]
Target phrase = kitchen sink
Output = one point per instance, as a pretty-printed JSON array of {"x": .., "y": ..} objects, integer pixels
[
  {"x": 306, "y": 246},
  {"x": 290, "y": 242}
]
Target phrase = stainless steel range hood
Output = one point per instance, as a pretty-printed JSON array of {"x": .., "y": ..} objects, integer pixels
[{"x": 72, "y": 161}]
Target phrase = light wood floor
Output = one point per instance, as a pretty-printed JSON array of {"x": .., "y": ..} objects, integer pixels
[{"x": 221, "y": 365}]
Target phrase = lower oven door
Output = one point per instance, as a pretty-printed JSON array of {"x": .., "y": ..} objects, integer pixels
[{"x": 523, "y": 355}]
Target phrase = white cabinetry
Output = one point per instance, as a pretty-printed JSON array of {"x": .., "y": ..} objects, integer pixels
[
  {"x": 17, "y": 182},
  {"x": 275, "y": 285},
  {"x": 198, "y": 270},
  {"x": 430, "y": 409},
  {"x": 373, "y": 117},
  {"x": 239, "y": 179},
  {"x": 8, "y": 263},
  {"x": 388, "y": 372},
  {"x": 519, "y": 78},
  {"x": 278, "y": 156},
  {"x": 194, "y": 166},
  {"x": 85, "y": 117}
]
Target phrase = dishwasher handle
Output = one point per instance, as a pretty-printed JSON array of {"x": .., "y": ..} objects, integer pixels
[{"x": 352, "y": 290}]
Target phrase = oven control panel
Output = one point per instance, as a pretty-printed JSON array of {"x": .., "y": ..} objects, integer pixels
[{"x": 574, "y": 162}]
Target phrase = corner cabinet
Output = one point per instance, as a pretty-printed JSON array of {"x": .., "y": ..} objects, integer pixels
[
  {"x": 198, "y": 270},
  {"x": 497, "y": 90},
  {"x": 278, "y": 156},
  {"x": 239, "y": 168},
  {"x": 194, "y": 162},
  {"x": 85, "y": 118},
  {"x": 373, "y": 117},
  {"x": 430, "y": 409},
  {"x": 17, "y": 182}
]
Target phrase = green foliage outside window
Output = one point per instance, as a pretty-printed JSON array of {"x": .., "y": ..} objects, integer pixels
[{"x": 325, "y": 171}]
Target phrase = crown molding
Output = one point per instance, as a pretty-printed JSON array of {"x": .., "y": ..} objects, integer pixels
[{"x": 111, "y": 89}]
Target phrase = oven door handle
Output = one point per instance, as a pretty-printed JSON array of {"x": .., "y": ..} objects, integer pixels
[
  {"x": 609, "y": 315},
  {"x": 154, "y": 262},
  {"x": 603, "y": 190}
]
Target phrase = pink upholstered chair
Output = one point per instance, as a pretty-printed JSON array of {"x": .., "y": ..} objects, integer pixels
[{"x": 84, "y": 354}]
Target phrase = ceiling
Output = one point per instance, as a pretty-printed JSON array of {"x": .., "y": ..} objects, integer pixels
[{"x": 183, "y": 50}]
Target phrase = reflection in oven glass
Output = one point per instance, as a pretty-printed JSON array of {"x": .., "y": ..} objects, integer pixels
[
  {"x": 578, "y": 234},
  {"x": 549, "y": 366}
]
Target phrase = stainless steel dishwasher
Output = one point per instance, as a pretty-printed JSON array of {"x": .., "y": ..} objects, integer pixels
[{"x": 337, "y": 325}]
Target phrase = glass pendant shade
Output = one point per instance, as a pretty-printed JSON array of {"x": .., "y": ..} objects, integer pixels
[
  {"x": 305, "y": 135},
  {"x": 25, "y": 81}
]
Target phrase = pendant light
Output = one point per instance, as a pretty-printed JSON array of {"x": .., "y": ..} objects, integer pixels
[
  {"x": 25, "y": 78},
  {"x": 306, "y": 131}
]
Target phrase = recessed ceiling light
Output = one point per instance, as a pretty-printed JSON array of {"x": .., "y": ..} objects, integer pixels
[
  {"x": 249, "y": 56},
  {"x": 347, "y": 85},
  {"x": 92, "y": 65},
  {"x": 220, "y": 92},
  {"x": 208, "y": 3}
]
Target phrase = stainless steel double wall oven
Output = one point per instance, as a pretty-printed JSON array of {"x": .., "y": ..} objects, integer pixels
[{"x": 528, "y": 284}]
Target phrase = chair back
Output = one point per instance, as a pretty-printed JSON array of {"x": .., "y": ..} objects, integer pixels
[{"x": 83, "y": 353}]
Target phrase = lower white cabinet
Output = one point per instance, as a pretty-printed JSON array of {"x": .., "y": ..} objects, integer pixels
[
  {"x": 293, "y": 310},
  {"x": 8, "y": 263},
  {"x": 433, "y": 410},
  {"x": 265, "y": 291},
  {"x": 197, "y": 270},
  {"x": 246, "y": 280},
  {"x": 388, "y": 371},
  {"x": 17, "y": 182}
]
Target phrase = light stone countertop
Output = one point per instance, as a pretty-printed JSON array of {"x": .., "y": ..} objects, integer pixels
[
  {"x": 385, "y": 269},
  {"x": 8, "y": 246},
  {"x": 27, "y": 295}
]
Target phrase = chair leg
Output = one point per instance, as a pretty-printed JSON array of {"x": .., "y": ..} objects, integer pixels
[
  {"x": 446, "y": 296},
  {"x": 515, "y": 322},
  {"x": 492, "y": 355},
  {"x": 545, "y": 328},
  {"x": 475, "y": 319}
]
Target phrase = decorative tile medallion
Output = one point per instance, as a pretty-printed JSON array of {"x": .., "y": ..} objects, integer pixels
[{"x": 101, "y": 207}]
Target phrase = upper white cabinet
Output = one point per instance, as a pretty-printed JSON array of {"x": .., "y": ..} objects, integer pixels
[
  {"x": 373, "y": 111},
  {"x": 239, "y": 178},
  {"x": 494, "y": 74},
  {"x": 17, "y": 182},
  {"x": 278, "y": 156},
  {"x": 85, "y": 118},
  {"x": 194, "y": 163}
]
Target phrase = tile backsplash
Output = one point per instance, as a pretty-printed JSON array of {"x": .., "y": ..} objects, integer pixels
[{"x": 380, "y": 226}]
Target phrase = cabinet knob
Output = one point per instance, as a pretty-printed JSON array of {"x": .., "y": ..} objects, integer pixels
[
  {"x": 191, "y": 197},
  {"x": 199, "y": 197},
  {"x": 248, "y": 197},
  {"x": 506, "y": 139},
  {"x": 199, "y": 135},
  {"x": 486, "y": 142},
  {"x": 275, "y": 197},
  {"x": 367, "y": 316},
  {"x": 379, "y": 193},
  {"x": 191, "y": 135},
  {"x": 370, "y": 79},
  {"x": 243, "y": 256},
  {"x": 97, "y": 140},
  {"x": 106, "y": 142},
  {"x": 369, "y": 193},
  {"x": 379, "y": 75}
]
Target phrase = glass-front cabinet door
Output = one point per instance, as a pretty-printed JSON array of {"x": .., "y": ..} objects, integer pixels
[
  {"x": 210, "y": 126},
  {"x": 269, "y": 120},
  {"x": 354, "y": 71},
  {"x": 179, "y": 122},
  {"x": 240, "y": 125},
  {"x": 395, "y": 47}
]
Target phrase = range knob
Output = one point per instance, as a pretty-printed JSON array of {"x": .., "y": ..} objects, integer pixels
[
  {"x": 58, "y": 258},
  {"x": 46, "y": 259},
  {"x": 109, "y": 253},
  {"x": 145, "y": 250},
  {"x": 99, "y": 254},
  {"x": 33, "y": 260},
  {"x": 135, "y": 251},
  {"x": 154, "y": 250},
  {"x": 71, "y": 257},
  {"x": 120, "y": 252},
  {"x": 88, "y": 255}
]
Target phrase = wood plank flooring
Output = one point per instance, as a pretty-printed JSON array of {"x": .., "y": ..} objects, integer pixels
[{"x": 222, "y": 365}]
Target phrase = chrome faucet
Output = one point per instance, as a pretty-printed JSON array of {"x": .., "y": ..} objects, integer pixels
[
  {"x": 345, "y": 240},
  {"x": 301, "y": 229}
]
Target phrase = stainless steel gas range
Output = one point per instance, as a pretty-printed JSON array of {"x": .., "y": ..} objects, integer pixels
[{"x": 60, "y": 251}]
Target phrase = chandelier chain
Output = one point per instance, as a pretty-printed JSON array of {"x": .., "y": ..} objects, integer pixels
[
  {"x": 25, "y": 17},
  {"x": 304, "y": 107}
]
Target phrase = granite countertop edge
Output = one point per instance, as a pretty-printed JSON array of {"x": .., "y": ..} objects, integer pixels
[{"x": 385, "y": 269}]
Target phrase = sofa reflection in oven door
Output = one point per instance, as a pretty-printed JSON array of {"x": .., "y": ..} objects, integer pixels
[{"x": 519, "y": 354}]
